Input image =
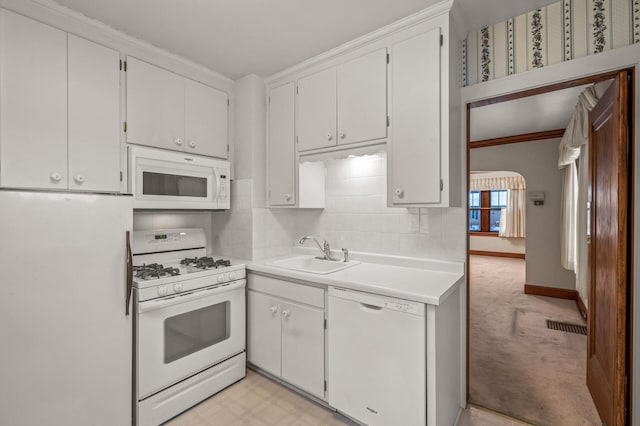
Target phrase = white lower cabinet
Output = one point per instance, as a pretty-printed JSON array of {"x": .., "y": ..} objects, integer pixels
[{"x": 286, "y": 335}]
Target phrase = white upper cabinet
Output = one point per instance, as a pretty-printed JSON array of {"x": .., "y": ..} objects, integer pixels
[
  {"x": 206, "y": 118},
  {"x": 155, "y": 106},
  {"x": 94, "y": 116},
  {"x": 414, "y": 151},
  {"x": 362, "y": 98},
  {"x": 344, "y": 104},
  {"x": 168, "y": 111},
  {"x": 60, "y": 109},
  {"x": 33, "y": 103},
  {"x": 281, "y": 148},
  {"x": 317, "y": 110}
]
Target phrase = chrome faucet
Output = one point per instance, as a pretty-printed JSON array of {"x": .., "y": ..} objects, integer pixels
[{"x": 324, "y": 248}]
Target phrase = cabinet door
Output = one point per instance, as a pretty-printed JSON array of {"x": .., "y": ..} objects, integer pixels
[
  {"x": 362, "y": 98},
  {"x": 33, "y": 103},
  {"x": 155, "y": 106},
  {"x": 415, "y": 145},
  {"x": 206, "y": 118},
  {"x": 282, "y": 160},
  {"x": 303, "y": 348},
  {"x": 94, "y": 116},
  {"x": 263, "y": 332},
  {"x": 317, "y": 110}
]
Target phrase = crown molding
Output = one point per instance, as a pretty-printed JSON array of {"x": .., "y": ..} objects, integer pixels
[{"x": 417, "y": 18}]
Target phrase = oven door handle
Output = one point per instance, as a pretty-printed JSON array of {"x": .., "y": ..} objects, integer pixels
[{"x": 153, "y": 305}]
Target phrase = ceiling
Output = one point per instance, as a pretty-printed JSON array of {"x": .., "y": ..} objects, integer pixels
[
  {"x": 547, "y": 111},
  {"x": 240, "y": 37}
]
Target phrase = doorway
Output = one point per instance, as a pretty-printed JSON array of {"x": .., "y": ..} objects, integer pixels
[{"x": 609, "y": 392}]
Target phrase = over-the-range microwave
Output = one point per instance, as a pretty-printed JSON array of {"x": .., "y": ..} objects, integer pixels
[{"x": 161, "y": 179}]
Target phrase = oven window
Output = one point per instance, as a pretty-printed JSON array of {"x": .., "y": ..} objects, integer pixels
[
  {"x": 173, "y": 185},
  {"x": 193, "y": 331}
]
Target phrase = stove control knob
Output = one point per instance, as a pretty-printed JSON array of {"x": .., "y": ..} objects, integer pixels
[
  {"x": 162, "y": 291},
  {"x": 220, "y": 278},
  {"x": 226, "y": 277},
  {"x": 232, "y": 275},
  {"x": 177, "y": 288}
]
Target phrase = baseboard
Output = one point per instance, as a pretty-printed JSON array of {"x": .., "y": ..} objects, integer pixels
[
  {"x": 497, "y": 254},
  {"x": 581, "y": 306},
  {"x": 559, "y": 293}
]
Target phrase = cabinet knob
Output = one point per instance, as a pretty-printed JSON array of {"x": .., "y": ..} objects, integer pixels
[
  {"x": 342, "y": 134},
  {"x": 178, "y": 141},
  {"x": 55, "y": 177},
  {"x": 273, "y": 309},
  {"x": 78, "y": 178},
  {"x": 399, "y": 192},
  {"x": 192, "y": 144},
  {"x": 329, "y": 136},
  {"x": 287, "y": 197},
  {"x": 286, "y": 313}
]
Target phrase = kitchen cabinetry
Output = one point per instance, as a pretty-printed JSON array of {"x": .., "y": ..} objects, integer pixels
[
  {"x": 168, "y": 111},
  {"x": 285, "y": 331},
  {"x": 281, "y": 150},
  {"x": 59, "y": 109},
  {"x": 344, "y": 104}
]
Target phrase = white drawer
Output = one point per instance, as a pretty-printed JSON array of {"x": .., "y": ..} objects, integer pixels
[{"x": 301, "y": 293}]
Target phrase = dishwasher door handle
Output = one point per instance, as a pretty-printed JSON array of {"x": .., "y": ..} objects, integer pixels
[{"x": 369, "y": 307}]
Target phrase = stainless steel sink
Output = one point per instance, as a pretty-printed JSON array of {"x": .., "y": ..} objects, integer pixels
[{"x": 312, "y": 265}]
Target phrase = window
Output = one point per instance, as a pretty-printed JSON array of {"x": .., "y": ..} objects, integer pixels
[{"x": 484, "y": 210}]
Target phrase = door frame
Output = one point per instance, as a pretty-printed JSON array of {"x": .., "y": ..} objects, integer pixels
[{"x": 555, "y": 133}]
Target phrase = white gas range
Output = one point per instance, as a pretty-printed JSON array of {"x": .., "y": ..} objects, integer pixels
[{"x": 189, "y": 322}]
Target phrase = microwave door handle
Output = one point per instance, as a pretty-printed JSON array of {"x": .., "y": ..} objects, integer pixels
[
  {"x": 153, "y": 305},
  {"x": 218, "y": 185}
]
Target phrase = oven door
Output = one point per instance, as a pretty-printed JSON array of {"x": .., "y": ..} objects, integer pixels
[{"x": 179, "y": 336}]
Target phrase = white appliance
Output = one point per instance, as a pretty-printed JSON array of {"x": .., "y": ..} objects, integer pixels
[
  {"x": 160, "y": 179},
  {"x": 377, "y": 358},
  {"x": 66, "y": 339},
  {"x": 189, "y": 323}
]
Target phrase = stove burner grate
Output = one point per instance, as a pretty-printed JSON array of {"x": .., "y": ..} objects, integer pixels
[
  {"x": 154, "y": 270},
  {"x": 205, "y": 262}
]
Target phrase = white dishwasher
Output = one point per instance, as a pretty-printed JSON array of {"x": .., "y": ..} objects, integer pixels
[{"x": 377, "y": 358}]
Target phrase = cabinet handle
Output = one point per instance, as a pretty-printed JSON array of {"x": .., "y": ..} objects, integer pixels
[
  {"x": 287, "y": 197},
  {"x": 178, "y": 141},
  {"x": 286, "y": 313},
  {"x": 79, "y": 179},
  {"x": 55, "y": 177},
  {"x": 399, "y": 192},
  {"x": 192, "y": 144},
  {"x": 342, "y": 134},
  {"x": 274, "y": 309},
  {"x": 329, "y": 136}
]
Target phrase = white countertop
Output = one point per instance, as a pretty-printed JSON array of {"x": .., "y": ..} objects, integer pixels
[{"x": 419, "y": 280}]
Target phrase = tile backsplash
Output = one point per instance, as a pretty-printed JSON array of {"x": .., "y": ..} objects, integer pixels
[{"x": 355, "y": 216}]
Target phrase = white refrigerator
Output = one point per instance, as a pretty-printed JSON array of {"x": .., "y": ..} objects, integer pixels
[{"x": 65, "y": 340}]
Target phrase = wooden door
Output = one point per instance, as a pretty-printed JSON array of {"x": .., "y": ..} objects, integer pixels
[
  {"x": 303, "y": 347},
  {"x": 264, "y": 332},
  {"x": 414, "y": 153},
  {"x": 362, "y": 98},
  {"x": 317, "y": 110},
  {"x": 155, "y": 106},
  {"x": 607, "y": 365},
  {"x": 33, "y": 103},
  {"x": 206, "y": 118},
  {"x": 281, "y": 151},
  {"x": 94, "y": 116}
]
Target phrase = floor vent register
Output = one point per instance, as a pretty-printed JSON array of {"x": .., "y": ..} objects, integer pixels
[{"x": 567, "y": 327}]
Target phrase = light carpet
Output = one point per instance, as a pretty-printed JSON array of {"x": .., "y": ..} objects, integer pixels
[{"x": 517, "y": 366}]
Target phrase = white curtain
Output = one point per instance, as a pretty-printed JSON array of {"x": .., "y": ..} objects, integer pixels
[
  {"x": 512, "y": 218},
  {"x": 575, "y": 136}
]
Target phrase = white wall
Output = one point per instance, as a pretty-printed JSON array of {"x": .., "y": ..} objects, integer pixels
[
  {"x": 537, "y": 161},
  {"x": 497, "y": 244}
]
